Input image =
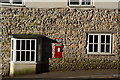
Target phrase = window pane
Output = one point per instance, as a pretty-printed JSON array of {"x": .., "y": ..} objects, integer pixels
[
  {"x": 102, "y": 48},
  {"x": 17, "y": 44},
  {"x": 90, "y": 47},
  {"x": 32, "y": 55},
  {"x": 90, "y": 38},
  {"x": 83, "y": 2},
  {"x": 95, "y": 47},
  {"x": 107, "y": 48},
  {"x": 88, "y": 2},
  {"x": 102, "y": 38},
  {"x": 5, "y": 1},
  {"x": 74, "y": 2},
  {"x": 17, "y": 55},
  {"x": 27, "y": 56},
  {"x": 32, "y": 44},
  {"x": 96, "y": 39},
  {"x": 12, "y": 56},
  {"x": 27, "y": 44},
  {"x": 22, "y": 55},
  {"x": 23, "y": 45},
  {"x": 107, "y": 39},
  {"x": 17, "y": 1}
]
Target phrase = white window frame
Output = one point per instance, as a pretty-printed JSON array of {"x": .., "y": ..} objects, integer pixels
[
  {"x": 11, "y": 3},
  {"x": 80, "y": 3},
  {"x": 13, "y": 55},
  {"x": 99, "y": 43}
]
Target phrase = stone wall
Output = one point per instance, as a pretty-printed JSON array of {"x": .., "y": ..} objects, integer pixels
[
  {"x": 0, "y": 45},
  {"x": 68, "y": 23}
]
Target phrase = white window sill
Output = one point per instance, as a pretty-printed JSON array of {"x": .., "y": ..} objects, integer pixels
[
  {"x": 8, "y": 4},
  {"x": 24, "y": 62},
  {"x": 81, "y": 6},
  {"x": 100, "y": 54}
]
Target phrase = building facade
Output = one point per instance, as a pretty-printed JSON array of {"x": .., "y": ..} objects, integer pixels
[{"x": 88, "y": 32}]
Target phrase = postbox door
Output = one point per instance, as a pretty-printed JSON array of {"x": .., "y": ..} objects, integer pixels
[{"x": 58, "y": 51}]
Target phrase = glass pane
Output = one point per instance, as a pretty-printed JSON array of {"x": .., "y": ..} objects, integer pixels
[
  {"x": 96, "y": 39},
  {"x": 17, "y": 44},
  {"x": 102, "y": 48},
  {"x": 32, "y": 44},
  {"x": 17, "y": 1},
  {"x": 22, "y": 55},
  {"x": 90, "y": 38},
  {"x": 90, "y": 47},
  {"x": 27, "y": 56},
  {"x": 88, "y": 2},
  {"x": 27, "y": 44},
  {"x": 17, "y": 55},
  {"x": 23, "y": 45},
  {"x": 102, "y": 38},
  {"x": 107, "y": 39},
  {"x": 74, "y": 2},
  {"x": 107, "y": 48},
  {"x": 83, "y": 2},
  {"x": 32, "y": 55},
  {"x": 12, "y": 56},
  {"x": 5, "y": 1},
  {"x": 95, "y": 47}
]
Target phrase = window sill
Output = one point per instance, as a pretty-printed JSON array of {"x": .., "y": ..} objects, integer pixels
[
  {"x": 101, "y": 54},
  {"x": 18, "y": 62},
  {"x": 12, "y": 5},
  {"x": 73, "y": 6}
]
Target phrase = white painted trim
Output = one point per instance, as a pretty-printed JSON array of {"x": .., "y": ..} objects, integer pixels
[
  {"x": 99, "y": 44},
  {"x": 14, "y": 51},
  {"x": 24, "y": 62},
  {"x": 35, "y": 49}
]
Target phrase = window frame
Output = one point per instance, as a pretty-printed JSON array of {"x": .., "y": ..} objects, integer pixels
[
  {"x": 74, "y": 5},
  {"x": 80, "y": 3},
  {"x": 14, "y": 50},
  {"x": 11, "y": 3},
  {"x": 99, "y": 43}
]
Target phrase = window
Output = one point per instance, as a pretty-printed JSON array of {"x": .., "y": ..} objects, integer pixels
[
  {"x": 74, "y": 2},
  {"x": 11, "y": 2},
  {"x": 23, "y": 50},
  {"x": 5, "y": 1},
  {"x": 99, "y": 43},
  {"x": 86, "y": 2},
  {"x": 80, "y": 2}
]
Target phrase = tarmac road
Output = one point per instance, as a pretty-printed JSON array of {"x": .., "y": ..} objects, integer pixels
[{"x": 71, "y": 75}]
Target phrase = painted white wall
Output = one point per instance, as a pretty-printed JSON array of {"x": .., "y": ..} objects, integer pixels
[
  {"x": 110, "y": 4},
  {"x": 46, "y": 3}
]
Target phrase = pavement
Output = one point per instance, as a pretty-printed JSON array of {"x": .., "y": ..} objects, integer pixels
[{"x": 84, "y": 74}]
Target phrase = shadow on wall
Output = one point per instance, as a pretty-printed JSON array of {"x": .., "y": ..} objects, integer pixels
[{"x": 44, "y": 53}]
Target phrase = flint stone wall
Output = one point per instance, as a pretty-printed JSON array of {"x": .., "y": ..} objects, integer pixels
[{"x": 71, "y": 24}]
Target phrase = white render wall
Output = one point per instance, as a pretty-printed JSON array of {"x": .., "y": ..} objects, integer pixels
[
  {"x": 110, "y": 4},
  {"x": 107, "y": 4}
]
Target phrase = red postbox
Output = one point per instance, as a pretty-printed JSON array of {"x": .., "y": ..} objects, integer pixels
[{"x": 58, "y": 48}]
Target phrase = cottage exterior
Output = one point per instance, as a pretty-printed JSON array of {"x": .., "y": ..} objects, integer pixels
[{"x": 89, "y": 30}]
